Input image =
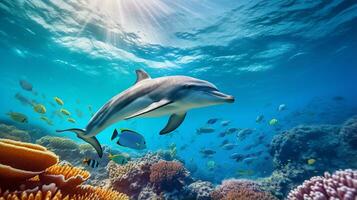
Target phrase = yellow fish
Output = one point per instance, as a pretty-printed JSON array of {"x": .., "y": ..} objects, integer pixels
[
  {"x": 273, "y": 122},
  {"x": 39, "y": 108},
  {"x": 45, "y": 119},
  {"x": 65, "y": 112},
  {"x": 58, "y": 101},
  {"x": 18, "y": 117},
  {"x": 311, "y": 161},
  {"x": 71, "y": 120}
]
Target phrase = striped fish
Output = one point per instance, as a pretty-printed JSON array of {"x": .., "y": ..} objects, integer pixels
[{"x": 90, "y": 162}]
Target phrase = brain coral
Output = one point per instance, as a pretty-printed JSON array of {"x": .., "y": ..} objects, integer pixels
[
  {"x": 340, "y": 185},
  {"x": 168, "y": 175}
]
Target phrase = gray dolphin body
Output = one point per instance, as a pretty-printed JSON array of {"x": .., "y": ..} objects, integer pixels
[{"x": 170, "y": 95}]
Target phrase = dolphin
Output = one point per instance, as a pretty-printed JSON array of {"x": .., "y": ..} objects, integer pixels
[{"x": 153, "y": 97}]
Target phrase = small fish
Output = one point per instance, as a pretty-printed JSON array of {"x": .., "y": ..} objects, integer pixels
[
  {"x": 245, "y": 172},
  {"x": 71, "y": 120},
  {"x": 249, "y": 160},
  {"x": 273, "y": 122},
  {"x": 39, "y": 108},
  {"x": 226, "y": 141},
  {"x": 259, "y": 118},
  {"x": 242, "y": 134},
  {"x": 228, "y": 146},
  {"x": 58, "y": 101},
  {"x": 120, "y": 159},
  {"x": 65, "y": 112},
  {"x": 222, "y": 134},
  {"x": 130, "y": 139},
  {"x": 25, "y": 85},
  {"x": 45, "y": 119},
  {"x": 281, "y": 107},
  {"x": 232, "y": 130},
  {"x": 207, "y": 152},
  {"x": 237, "y": 156},
  {"x": 311, "y": 161},
  {"x": 225, "y": 123},
  {"x": 205, "y": 130},
  {"x": 212, "y": 121},
  {"x": 18, "y": 117},
  {"x": 23, "y": 100},
  {"x": 90, "y": 162}
]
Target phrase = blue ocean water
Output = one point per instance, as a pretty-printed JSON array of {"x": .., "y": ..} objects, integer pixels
[{"x": 265, "y": 53}]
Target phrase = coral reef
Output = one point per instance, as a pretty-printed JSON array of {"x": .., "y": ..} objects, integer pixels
[
  {"x": 150, "y": 177},
  {"x": 12, "y": 133},
  {"x": 240, "y": 189},
  {"x": 339, "y": 185},
  {"x": 229, "y": 185},
  {"x": 49, "y": 181},
  {"x": 168, "y": 175},
  {"x": 200, "y": 190},
  {"x": 331, "y": 146}
]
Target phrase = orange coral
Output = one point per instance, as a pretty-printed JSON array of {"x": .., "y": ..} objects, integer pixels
[
  {"x": 16, "y": 156},
  {"x": 64, "y": 176},
  {"x": 47, "y": 181},
  {"x": 82, "y": 193}
]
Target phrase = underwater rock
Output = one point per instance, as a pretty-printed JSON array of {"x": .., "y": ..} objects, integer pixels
[
  {"x": 349, "y": 132},
  {"x": 12, "y": 133},
  {"x": 200, "y": 190},
  {"x": 328, "y": 145},
  {"x": 148, "y": 193},
  {"x": 340, "y": 185}
]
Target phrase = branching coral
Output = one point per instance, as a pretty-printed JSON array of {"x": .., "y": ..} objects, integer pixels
[
  {"x": 168, "y": 175},
  {"x": 340, "y": 185}
]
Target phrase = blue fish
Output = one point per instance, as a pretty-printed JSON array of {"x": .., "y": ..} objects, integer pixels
[{"x": 130, "y": 139}]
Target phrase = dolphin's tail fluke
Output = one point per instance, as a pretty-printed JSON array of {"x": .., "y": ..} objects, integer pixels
[
  {"x": 90, "y": 140},
  {"x": 75, "y": 130}
]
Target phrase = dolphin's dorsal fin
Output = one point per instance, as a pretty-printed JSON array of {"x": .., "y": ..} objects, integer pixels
[
  {"x": 141, "y": 75},
  {"x": 174, "y": 121}
]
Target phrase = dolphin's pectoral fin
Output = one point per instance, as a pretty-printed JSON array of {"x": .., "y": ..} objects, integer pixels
[
  {"x": 141, "y": 75},
  {"x": 174, "y": 121},
  {"x": 150, "y": 108},
  {"x": 94, "y": 142}
]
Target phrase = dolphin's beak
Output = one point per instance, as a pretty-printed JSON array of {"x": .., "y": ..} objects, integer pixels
[{"x": 225, "y": 97}]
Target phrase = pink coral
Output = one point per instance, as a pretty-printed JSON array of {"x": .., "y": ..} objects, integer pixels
[
  {"x": 340, "y": 185},
  {"x": 168, "y": 175}
]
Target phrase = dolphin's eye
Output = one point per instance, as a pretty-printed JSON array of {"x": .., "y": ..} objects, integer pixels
[{"x": 188, "y": 86}]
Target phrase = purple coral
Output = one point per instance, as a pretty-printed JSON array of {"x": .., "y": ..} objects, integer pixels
[{"x": 340, "y": 185}]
